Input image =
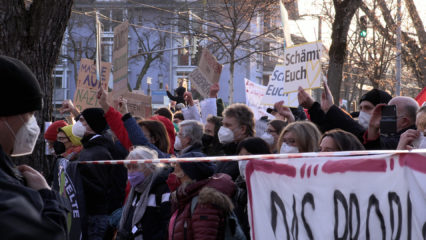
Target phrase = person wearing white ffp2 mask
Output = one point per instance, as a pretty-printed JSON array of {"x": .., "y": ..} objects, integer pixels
[
  {"x": 27, "y": 195},
  {"x": 301, "y": 136}
]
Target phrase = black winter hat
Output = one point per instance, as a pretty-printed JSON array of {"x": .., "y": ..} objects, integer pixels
[
  {"x": 17, "y": 79},
  {"x": 95, "y": 118},
  {"x": 198, "y": 170},
  {"x": 376, "y": 96}
]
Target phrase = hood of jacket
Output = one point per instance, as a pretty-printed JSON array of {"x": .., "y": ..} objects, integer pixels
[{"x": 217, "y": 190}]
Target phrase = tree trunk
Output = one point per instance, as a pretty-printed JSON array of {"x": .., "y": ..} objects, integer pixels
[
  {"x": 34, "y": 35},
  {"x": 345, "y": 10},
  {"x": 231, "y": 81},
  {"x": 143, "y": 71}
]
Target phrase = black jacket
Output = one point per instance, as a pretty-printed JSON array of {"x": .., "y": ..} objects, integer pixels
[
  {"x": 231, "y": 167},
  {"x": 26, "y": 213},
  {"x": 179, "y": 95},
  {"x": 386, "y": 142},
  {"x": 103, "y": 185},
  {"x": 156, "y": 218},
  {"x": 335, "y": 118}
]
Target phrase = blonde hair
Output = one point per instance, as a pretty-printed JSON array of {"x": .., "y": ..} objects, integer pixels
[{"x": 307, "y": 136}]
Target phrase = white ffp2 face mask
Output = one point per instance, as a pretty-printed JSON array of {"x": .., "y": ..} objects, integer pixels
[
  {"x": 225, "y": 135},
  {"x": 288, "y": 149},
  {"x": 78, "y": 129},
  {"x": 178, "y": 144},
  {"x": 364, "y": 119},
  {"x": 269, "y": 139},
  {"x": 25, "y": 138}
]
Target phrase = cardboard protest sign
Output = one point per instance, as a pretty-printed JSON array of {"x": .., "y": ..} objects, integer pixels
[
  {"x": 358, "y": 197},
  {"x": 209, "y": 66},
  {"x": 275, "y": 91},
  {"x": 200, "y": 82},
  {"x": 119, "y": 59},
  {"x": 138, "y": 104},
  {"x": 254, "y": 95},
  {"x": 206, "y": 74},
  {"x": 88, "y": 85}
]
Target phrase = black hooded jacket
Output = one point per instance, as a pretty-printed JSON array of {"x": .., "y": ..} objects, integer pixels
[
  {"x": 26, "y": 213},
  {"x": 103, "y": 185}
]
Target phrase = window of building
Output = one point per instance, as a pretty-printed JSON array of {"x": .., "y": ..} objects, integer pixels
[{"x": 106, "y": 49}]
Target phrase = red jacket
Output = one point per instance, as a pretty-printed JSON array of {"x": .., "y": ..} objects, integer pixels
[
  {"x": 207, "y": 220},
  {"x": 113, "y": 118}
]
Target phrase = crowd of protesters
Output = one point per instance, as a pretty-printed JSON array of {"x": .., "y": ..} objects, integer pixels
[{"x": 186, "y": 200}]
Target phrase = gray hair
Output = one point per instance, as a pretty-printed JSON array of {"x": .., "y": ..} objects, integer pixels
[
  {"x": 141, "y": 152},
  {"x": 192, "y": 129}
]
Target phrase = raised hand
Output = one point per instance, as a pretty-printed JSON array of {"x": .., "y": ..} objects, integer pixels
[
  {"x": 214, "y": 89},
  {"x": 68, "y": 107},
  {"x": 374, "y": 125},
  {"x": 167, "y": 87},
  {"x": 326, "y": 98},
  {"x": 122, "y": 105},
  {"x": 305, "y": 100},
  {"x": 102, "y": 96},
  {"x": 284, "y": 111}
]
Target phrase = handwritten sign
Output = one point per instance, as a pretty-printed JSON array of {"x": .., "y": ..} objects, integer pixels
[
  {"x": 200, "y": 82},
  {"x": 88, "y": 85},
  {"x": 302, "y": 67},
  {"x": 254, "y": 95},
  {"x": 119, "y": 59},
  {"x": 274, "y": 93},
  {"x": 139, "y": 105},
  {"x": 209, "y": 66}
]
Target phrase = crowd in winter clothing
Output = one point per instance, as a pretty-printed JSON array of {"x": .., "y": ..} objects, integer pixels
[{"x": 186, "y": 200}]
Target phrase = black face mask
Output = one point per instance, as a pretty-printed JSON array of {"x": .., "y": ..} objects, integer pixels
[
  {"x": 207, "y": 139},
  {"x": 59, "y": 147}
]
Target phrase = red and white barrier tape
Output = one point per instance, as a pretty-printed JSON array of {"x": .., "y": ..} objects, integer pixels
[{"x": 251, "y": 157}]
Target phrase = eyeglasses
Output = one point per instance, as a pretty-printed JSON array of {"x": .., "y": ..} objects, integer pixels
[{"x": 61, "y": 139}]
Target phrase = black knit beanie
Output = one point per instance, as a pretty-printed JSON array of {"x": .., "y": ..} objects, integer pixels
[
  {"x": 95, "y": 118},
  {"x": 376, "y": 96},
  {"x": 20, "y": 91},
  {"x": 198, "y": 170}
]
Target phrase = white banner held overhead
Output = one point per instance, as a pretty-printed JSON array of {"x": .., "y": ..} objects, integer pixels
[
  {"x": 274, "y": 93},
  {"x": 359, "y": 197},
  {"x": 254, "y": 95}
]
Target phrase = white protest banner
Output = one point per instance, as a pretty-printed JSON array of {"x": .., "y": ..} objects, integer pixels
[
  {"x": 88, "y": 85},
  {"x": 358, "y": 197},
  {"x": 209, "y": 66},
  {"x": 119, "y": 59},
  {"x": 274, "y": 93},
  {"x": 254, "y": 94}
]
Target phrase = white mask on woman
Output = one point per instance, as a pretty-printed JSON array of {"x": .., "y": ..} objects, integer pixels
[
  {"x": 78, "y": 129},
  {"x": 364, "y": 119},
  {"x": 288, "y": 149},
  {"x": 25, "y": 138},
  {"x": 269, "y": 139},
  {"x": 225, "y": 135}
]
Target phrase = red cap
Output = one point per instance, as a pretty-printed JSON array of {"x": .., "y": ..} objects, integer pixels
[{"x": 52, "y": 130}]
